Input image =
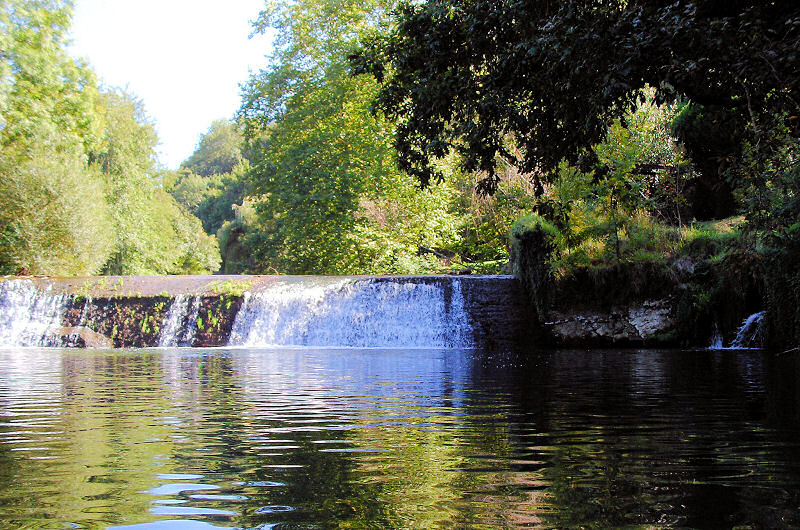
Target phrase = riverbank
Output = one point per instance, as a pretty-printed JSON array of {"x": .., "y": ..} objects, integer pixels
[{"x": 695, "y": 287}]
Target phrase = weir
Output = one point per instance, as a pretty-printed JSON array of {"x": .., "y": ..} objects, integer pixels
[
  {"x": 361, "y": 313},
  {"x": 257, "y": 311},
  {"x": 180, "y": 324},
  {"x": 28, "y": 314}
]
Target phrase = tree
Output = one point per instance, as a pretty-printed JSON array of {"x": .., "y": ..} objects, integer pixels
[
  {"x": 78, "y": 170},
  {"x": 153, "y": 234},
  {"x": 190, "y": 189},
  {"x": 225, "y": 193},
  {"x": 537, "y": 84},
  {"x": 320, "y": 159},
  {"x": 474, "y": 75},
  {"x": 52, "y": 213},
  {"x": 212, "y": 180},
  {"x": 642, "y": 169},
  {"x": 53, "y": 219},
  {"x": 126, "y": 160},
  {"x": 218, "y": 152}
]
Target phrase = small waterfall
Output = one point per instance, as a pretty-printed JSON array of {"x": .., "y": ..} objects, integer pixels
[
  {"x": 27, "y": 314},
  {"x": 180, "y": 323},
  {"x": 354, "y": 313},
  {"x": 750, "y": 332},
  {"x": 716, "y": 339}
]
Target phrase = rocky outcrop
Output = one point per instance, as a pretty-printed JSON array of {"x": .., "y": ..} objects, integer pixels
[
  {"x": 80, "y": 337},
  {"x": 646, "y": 323}
]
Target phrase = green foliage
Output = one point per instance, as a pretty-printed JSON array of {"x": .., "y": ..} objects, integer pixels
[
  {"x": 125, "y": 159},
  {"x": 230, "y": 287},
  {"x": 532, "y": 246},
  {"x": 236, "y": 241},
  {"x": 706, "y": 268},
  {"x": 212, "y": 182},
  {"x": 408, "y": 230},
  {"x": 322, "y": 157},
  {"x": 52, "y": 217},
  {"x": 328, "y": 195},
  {"x": 218, "y": 152},
  {"x": 465, "y": 75},
  {"x": 483, "y": 220},
  {"x": 211, "y": 198},
  {"x": 782, "y": 286},
  {"x": 536, "y": 85},
  {"x": 190, "y": 189},
  {"x": 226, "y": 192},
  {"x": 78, "y": 191},
  {"x": 713, "y": 279},
  {"x": 154, "y": 234},
  {"x": 781, "y": 221},
  {"x": 189, "y": 248},
  {"x": 707, "y": 240},
  {"x": 642, "y": 166},
  {"x": 622, "y": 211},
  {"x": 42, "y": 90}
]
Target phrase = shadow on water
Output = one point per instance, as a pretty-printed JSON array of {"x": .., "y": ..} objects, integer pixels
[
  {"x": 698, "y": 439},
  {"x": 302, "y": 437}
]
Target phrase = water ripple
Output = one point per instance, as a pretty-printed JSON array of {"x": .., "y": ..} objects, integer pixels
[{"x": 422, "y": 438}]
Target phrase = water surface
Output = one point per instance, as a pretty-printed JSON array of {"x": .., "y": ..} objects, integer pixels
[{"x": 305, "y": 437}]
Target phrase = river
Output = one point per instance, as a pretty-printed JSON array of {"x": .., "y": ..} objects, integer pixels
[{"x": 180, "y": 438}]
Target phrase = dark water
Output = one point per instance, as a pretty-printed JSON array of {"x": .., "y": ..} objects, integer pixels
[{"x": 299, "y": 438}]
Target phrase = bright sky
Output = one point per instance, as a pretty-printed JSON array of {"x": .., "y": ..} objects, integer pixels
[{"x": 184, "y": 59}]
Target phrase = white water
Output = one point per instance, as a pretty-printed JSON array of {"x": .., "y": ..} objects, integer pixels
[
  {"x": 27, "y": 314},
  {"x": 716, "y": 339},
  {"x": 180, "y": 323},
  {"x": 749, "y": 334},
  {"x": 354, "y": 313}
]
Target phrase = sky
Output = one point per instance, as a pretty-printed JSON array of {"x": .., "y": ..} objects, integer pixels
[{"x": 185, "y": 59}]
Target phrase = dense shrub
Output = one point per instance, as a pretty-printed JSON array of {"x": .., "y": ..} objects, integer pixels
[
  {"x": 782, "y": 293},
  {"x": 532, "y": 247}
]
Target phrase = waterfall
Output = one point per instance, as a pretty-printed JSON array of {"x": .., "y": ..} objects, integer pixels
[
  {"x": 716, "y": 339},
  {"x": 749, "y": 334},
  {"x": 354, "y": 313},
  {"x": 28, "y": 315},
  {"x": 180, "y": 322}
]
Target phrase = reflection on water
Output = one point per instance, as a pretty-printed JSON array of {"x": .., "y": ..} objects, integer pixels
[{"x": 166, "y": 439}]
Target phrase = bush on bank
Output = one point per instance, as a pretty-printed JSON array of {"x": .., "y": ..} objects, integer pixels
[{"x": 713, "y": 274}]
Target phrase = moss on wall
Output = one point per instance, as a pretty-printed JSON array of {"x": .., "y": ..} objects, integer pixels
[
  {"x": 135, "y": 321},
  {"x": 127, "y": 321},
  {"x": 782, "y": 295},
  {"x": 532, "y": 243},
  {"x": 215, "y": 319}
]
